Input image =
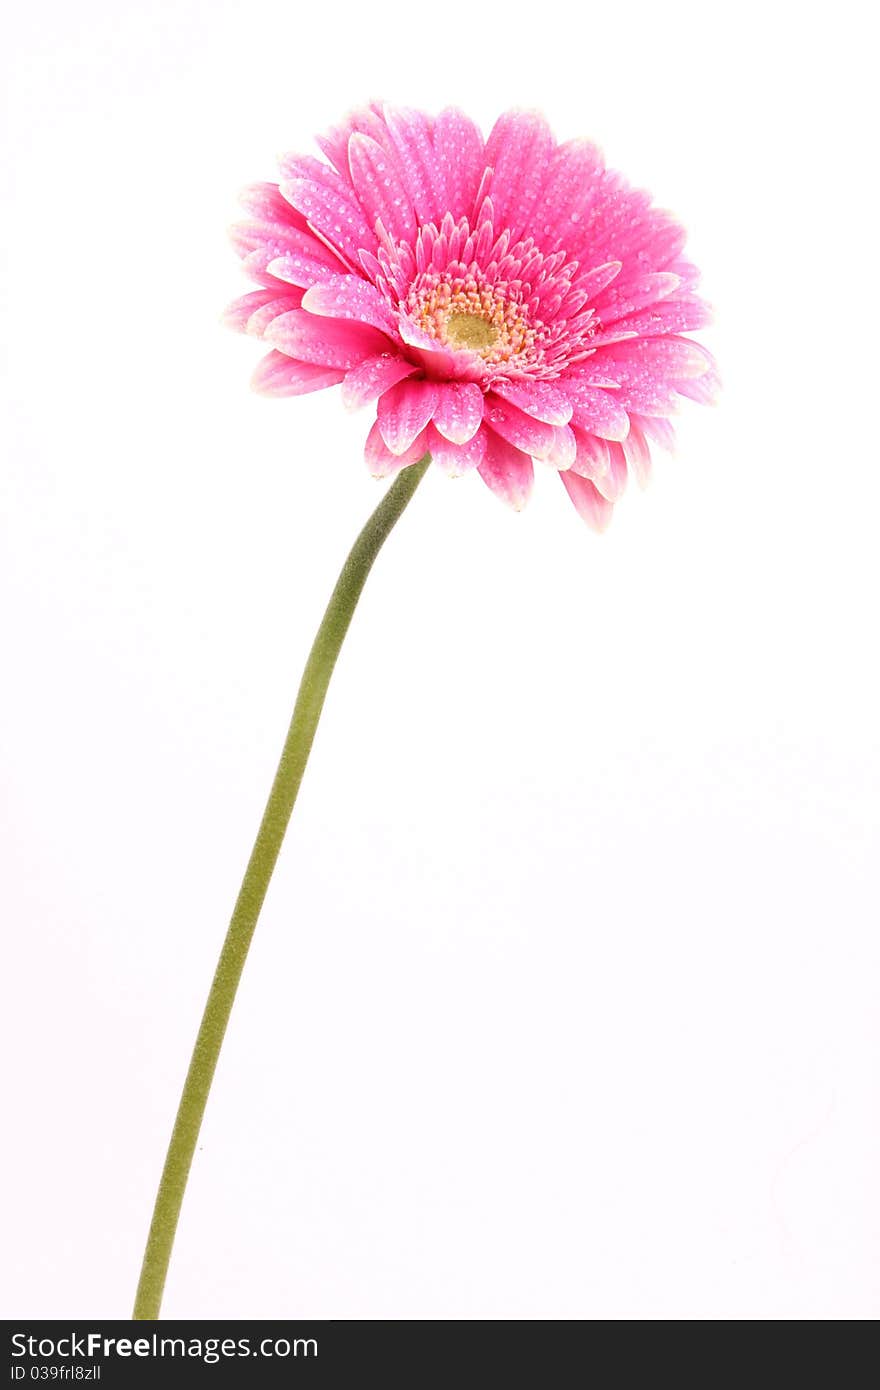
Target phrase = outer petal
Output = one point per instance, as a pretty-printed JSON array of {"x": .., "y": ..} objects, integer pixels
[
  {"x": 459, "y": 410},
  {"x": 253, "y": 312},
  {"x": 677, "y": 314},
  {"x": 334, "y": 214},
  {"x": 637, "y": 453},
  {"x": 374, "y": 376},
  {"x": 591, "y": 459},
  {"x": 266, "y": 203},
  {"x": 331, "y": 342},
  {"x": 573, "y": 171},
  {"x": 602, "y": 462},
  {"x": 280, "y": 375},
  {"x": 657, "y": 430},
  {"x": 404, "y": 411},
  {"x": 564, "y": 450},
  {"x": 626, "y": 296},
  {"x": 294, "y": 268},
  {"x": 367, "y": 120},
  {"x": 521, "y": 430},
  {"x": 596, "y": 410},
  {"x": 507, "y": 471},
  {"x": 380, "y": 189},
  {"x": 261, "y": 244},
  {"x": 381, "y": 461},
  {"x": 669, "y": 357},
  {"x": 351, "y": 297},
  {"x": 425, "y": 181},
  {"x": 460, "y": 153},
  {"x": 543, "y": 400},
  {"x": 456, "y": 459},
  {"x": 518, "y": 149},
  {"x": 704, "y": 389},
  {"x": 279, "y": 239},
  {"x": 643, "y": 385},
  {"x": 594, "y": 281},
  {"x": 622, "y": 223},
  {"x": 254, "y": 267},
  {"x": 612, "y": 482},
  {"x": 647, "y": 395},
  {"x": 589, "y": 503}
]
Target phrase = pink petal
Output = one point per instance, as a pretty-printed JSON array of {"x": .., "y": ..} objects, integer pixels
[
  {"x": 305, "y": 166},
  {"x": 704, "y": 389},
  {"x": 596, "y": 410},
  {"x": 519, "y": 429},
  {"x": 425, "y": 181},
  {"x": 622, "y": 223},
  {"x": 507, "y": 471},
  {"x": 404, "y": 411},
  {"x": 592, "y": 372},
  {"x": 367, "y": 120},
  {"x": 612, "y": 482},
  {"x": 646, "y": 395},
  {"x": 564, "y": 450},
  {"x": 559, "y": 212},
  {"x": 373, "y": 376},
  {"x": 637, "y": 453},
  {"x": 541, "y": 399},
  {"x": 331, "y": 342},
  {"x": 459, "y": 410},
  {"x": 627, "y": 296},
  {"x": 253, "y": 312},
  {"x": 595, "y": 281},
  {"x": 294, "y": 268},
  {"x": 518, "y": 149},
  {"x": 254, "y": 267},
  {"x": 673, "y": 315},
  {"x": 603, "y": 462},
  {"x": 381, "y": 461},
  {"x": 643, "y": 385},
  {"x": 460, "y": 154},
  {"x": 379, "y": 188},
  {"x": 350, "y": 297},
  {"x": 334, "y": 214},
  {"x": 656, "y": 429},
  {"x": 614, "y": 333},
  {"x": 456, "y": 459},
  {"x": 279, "y": 240},
  {"x": 280, "y": 375},
  {"x": 668, "y": 356},
  {"x": 660, "y": 241},
  {"x": 266, "y": 203},
  {"x": 591, "y": 459},
  {"x": 589, "y": 503}
]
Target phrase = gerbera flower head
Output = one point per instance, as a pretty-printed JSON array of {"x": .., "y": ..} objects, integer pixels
[{"x": 502, "y": 301}]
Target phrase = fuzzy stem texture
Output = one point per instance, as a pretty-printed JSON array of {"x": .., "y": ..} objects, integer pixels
[{"x": 294, "y": 756}]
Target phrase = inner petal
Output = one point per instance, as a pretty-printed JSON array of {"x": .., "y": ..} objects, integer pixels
[{"x": 502, "y": 310}]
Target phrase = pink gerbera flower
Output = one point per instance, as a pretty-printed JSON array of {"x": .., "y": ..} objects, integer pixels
[{"x": 502, "y": 301}]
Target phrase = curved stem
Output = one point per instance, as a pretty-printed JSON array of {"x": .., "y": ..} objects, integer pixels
[{"x": 294, "y": 756}]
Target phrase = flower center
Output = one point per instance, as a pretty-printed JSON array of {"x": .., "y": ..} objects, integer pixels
[
  {"x": 465, "y": 312},
  {"x": 470, "y": 331}
]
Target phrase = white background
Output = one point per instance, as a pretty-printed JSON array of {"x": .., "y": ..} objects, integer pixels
[{"x": 563, "y": 1004}]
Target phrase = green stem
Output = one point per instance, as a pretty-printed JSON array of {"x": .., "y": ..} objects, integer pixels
[{"x": 294, "y": 756}]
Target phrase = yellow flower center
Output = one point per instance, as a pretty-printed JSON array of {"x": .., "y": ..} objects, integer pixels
[
  {"x": 470, "y": 331},
  {"x": 465, "y": 314}
]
